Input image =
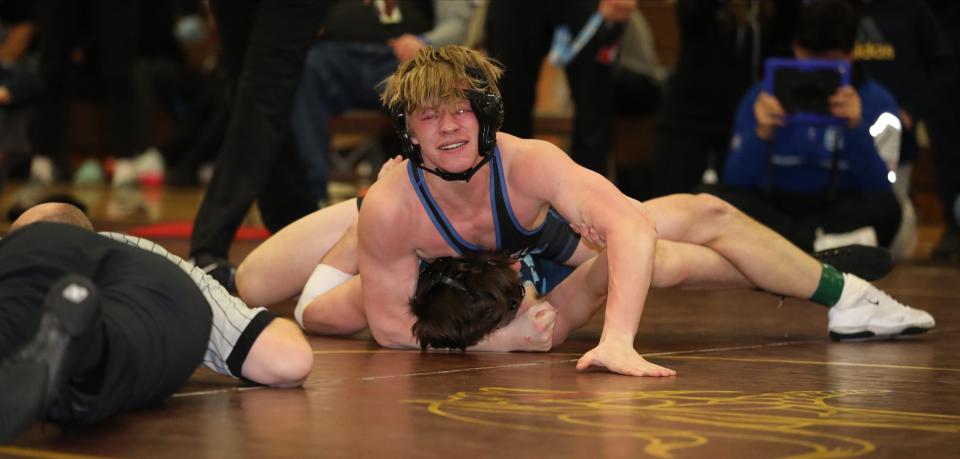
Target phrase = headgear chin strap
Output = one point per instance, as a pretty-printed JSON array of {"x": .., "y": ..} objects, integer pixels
[
  {"x": 457, "y": 176},
  {"x": 486, "y": 105}
]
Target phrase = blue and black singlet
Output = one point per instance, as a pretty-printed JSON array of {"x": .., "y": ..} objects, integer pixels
[{"x": 553, "y": 239}]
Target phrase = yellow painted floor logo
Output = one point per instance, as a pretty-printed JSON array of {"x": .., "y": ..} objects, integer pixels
[{"x": 800, "y": 424}]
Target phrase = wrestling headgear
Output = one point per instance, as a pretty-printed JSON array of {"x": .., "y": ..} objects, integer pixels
[
  {"x": 451, "y": 272},
  {"x": 488, "y": 108}
]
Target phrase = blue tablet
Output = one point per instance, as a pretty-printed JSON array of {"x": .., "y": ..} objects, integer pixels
[{"x": 803, "y": 87}]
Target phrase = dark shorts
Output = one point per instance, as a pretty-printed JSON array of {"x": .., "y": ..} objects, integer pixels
[
  {"x": 557, "y": 240},
  {"x": 543, "y": 273}
]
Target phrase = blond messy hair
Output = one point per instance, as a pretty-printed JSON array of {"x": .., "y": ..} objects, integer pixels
[{"x": 439, "y": 76}]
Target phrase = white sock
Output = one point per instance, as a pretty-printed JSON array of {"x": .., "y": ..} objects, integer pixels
[{"x": 324, "y": 277}]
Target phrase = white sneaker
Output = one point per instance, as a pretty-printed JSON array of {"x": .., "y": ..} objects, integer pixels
[
  {"x": 124, "y": 173},
  {"x": 865, "y": 311},
  {"x": 41, "y": 170},
  {"x": 863, "y": 236},
  {"x": 150, "y": 167}
]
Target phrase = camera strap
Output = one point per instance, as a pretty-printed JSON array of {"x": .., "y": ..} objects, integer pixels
[
  {"x": 771, "y": 168},
  {"x": 834, "y": 166}
]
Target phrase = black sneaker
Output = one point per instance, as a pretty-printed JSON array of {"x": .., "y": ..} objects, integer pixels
[
  {"x": 33, "y": 377},
  {"x": 866, "y": 262},
  {"x": 219, "y": 269}
]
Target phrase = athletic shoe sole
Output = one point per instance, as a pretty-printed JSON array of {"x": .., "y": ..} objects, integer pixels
[
  {"x": 35, "y": 375},
  {"x": 870, "y": 335}
]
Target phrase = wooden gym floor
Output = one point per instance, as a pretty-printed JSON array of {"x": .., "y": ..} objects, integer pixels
[{"x": 756, "y": 378}]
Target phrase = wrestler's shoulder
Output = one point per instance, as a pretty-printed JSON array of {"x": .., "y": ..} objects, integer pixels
[
  {"x": 512, "y": 146},
  {"x": 392, "y": 194}
]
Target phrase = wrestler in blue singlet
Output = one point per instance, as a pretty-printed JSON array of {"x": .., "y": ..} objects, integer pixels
[{"x": 550, "y": 244}]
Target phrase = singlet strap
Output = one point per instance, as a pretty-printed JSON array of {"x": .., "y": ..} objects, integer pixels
[
  {"x": 510, "y": 233},
  {"x": 436, "y": 214}
]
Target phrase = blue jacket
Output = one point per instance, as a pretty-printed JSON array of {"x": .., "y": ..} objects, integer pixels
[{"x": 803, "y": 153}]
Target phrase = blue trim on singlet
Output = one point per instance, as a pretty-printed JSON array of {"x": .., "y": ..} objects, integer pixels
[
  {"x": 434, "y": 211},
  {"x": 502, "y": 180},
  {"x": 544, "y": 274},
  {"x": 499, "y": 198},
  {"x": 493, "y": 199}
]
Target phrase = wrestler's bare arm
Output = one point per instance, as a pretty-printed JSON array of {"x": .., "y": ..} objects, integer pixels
[
  {"x": 588, "y": 200},
  {"x": 388, "y": 267}
]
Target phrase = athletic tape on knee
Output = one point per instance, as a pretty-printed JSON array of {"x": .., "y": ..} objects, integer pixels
[{"x": 324, "y": 277}]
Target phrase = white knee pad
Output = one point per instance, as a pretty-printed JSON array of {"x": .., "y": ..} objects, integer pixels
[{"x": 324, "y": 277}]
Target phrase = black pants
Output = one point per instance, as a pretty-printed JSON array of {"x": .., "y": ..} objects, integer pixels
[
  {"x": 114, "y": 26},
  {"x": 264, "y": 45},
  {"x": 943, "y": 124},
  {"x": 154, "y": 323},
  {"x": 681, "y": 155},
  {"x": 519, "y": 34},
  {"x": 797, "y": 216}
]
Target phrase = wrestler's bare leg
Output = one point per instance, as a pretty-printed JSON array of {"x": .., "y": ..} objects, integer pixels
[
  {"x": 338, "y": 311},
  {"x": 764, "y": 257},
  {"x": 279, "y": 268},
  {"x": 677, "y": 264}
]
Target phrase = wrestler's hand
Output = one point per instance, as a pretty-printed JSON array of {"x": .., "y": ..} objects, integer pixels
[
  {"x": 389, "y": 164},
  {"x": 621, "y": 359},
  {"x": 534, "y": 327},
  {"x": 590, "y": 235},
  {"x": 530, "y": 331}
]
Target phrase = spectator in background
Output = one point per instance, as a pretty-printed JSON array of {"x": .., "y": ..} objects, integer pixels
[
  {"x": 947, "y": 161},
  {"x": 193, "y": 91},
  {"x": 264, "y": 44},
  {"x": 722, "y": 47},
  {"x": 902, "y": 46},
  {"x": 819, "y": 185},
  {"x": 360, "y": 44},
  {"x": 638, "y": 75},
  {"x": 19, "y": 82},
  {"x": 639, "y": 79},
  {"x": 519, "y": 33},
  {"x": 105, "y": 34}
]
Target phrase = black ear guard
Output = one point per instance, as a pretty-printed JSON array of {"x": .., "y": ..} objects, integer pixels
[
  {"x": 410, "y": 151},
  {"x": 451, "y": 274},
  {"x": 489, "y": 110}
]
